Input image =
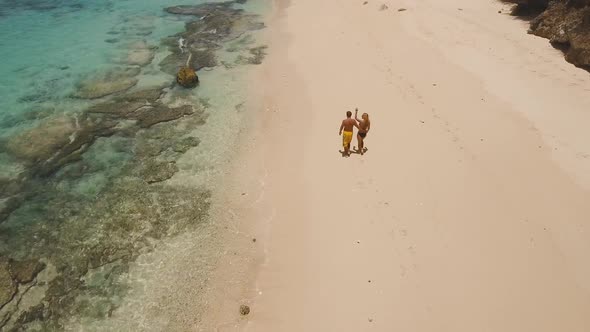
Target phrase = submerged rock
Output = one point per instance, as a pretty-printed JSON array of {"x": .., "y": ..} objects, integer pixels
[
  {"x": 139, "y": 54},
  {"x": 43, "y": 141},
  {"x": 26, "y": 271},
  {"x": 57, "y": 141},
  {"x": 200, "y": 10},
  {"x": 217, "y": 23},
  {"x": 149, "y": 116},
  {"x": 187, "y": 77},
  {"x": 186, "y": 144},
  {"x": 147, "y": 95},
  {"x": 119, "y": 108},
  {"x": 140, "y": 57},
  {"x": 158, "y": 171},
  {"x": 9, "y": 205},
  {"x": 7, "y": 284},
  {"x": 106, "y": 83},
  {"x": 257, "y": 55}
]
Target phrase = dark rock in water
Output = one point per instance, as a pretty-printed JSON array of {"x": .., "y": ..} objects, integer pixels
[
  {"x": 149, "y": 116},
  {"x": 120, "y": 108},
  {"x": 7, "y": 284},
  {"x": 186, "y": 144},
  {"x": 199, "y": 10},
  {"x": 187, "y": 77},
  {"x": 217, "y": 23},
  {"x": 203, "y": 59},
  {"x": 150, "y": 148},
  {"x": 199, "y": 59},
  {"x": 172, "y": 63},
  {"x": 25, "y": 271},
  {"x": 146, "y": 95},
  {"x": 158, "y": 171},
  {"x": 9, "y": 205},
  {"x": 32, "y": 314},
  {"x": 10, "y": 186},
  {"x": 258, "y": 54},
  {"x": 112, "y": 40},
  {"x": 106, "y": 83},
  {"x": 143, "y": 33}
]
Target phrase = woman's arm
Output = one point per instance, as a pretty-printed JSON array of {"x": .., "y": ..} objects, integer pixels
[{"x": 356, "y": 112}]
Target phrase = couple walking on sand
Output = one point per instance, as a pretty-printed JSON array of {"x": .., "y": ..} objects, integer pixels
[{"x": 363, "y": 125}]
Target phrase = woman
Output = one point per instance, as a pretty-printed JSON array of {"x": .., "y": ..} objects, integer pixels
[{"x": 364, "y": 126}]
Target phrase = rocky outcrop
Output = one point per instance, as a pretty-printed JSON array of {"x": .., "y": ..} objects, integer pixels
[
  {"x": 566, "y": 23},
  {"x": 187, "y": 77},
  {"x": 217, "y": 23}
]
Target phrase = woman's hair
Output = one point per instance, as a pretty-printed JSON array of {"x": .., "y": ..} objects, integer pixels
[{"x": 365, "y": 117}]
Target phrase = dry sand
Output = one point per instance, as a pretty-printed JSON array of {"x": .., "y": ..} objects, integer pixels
[{"x": 470, "y": 210}]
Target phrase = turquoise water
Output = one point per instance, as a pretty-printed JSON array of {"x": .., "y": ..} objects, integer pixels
[
  {"x": 45, "y": 51},
  {"x": 91, "y": 181}
]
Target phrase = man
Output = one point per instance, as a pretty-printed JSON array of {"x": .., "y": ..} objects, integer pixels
[{"x": 347, "y": 125}]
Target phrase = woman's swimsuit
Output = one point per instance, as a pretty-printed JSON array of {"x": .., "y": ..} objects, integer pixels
[{"x": 363, "y": 135}]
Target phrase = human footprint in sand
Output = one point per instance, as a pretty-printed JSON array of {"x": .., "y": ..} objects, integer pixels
[
  {"x": 347, "y": 126},
  {"x": 364, "y": 125}
]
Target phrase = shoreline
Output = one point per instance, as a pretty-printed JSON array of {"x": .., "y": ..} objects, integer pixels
[
  {"x": 114, "y": 251},
  {"x": 469, "y": 208}
]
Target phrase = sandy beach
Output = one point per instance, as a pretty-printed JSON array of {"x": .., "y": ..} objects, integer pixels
[{"x": 469, "y": 212}]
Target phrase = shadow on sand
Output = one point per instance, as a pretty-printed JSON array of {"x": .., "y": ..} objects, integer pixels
[{"x": 354, "y": 150}]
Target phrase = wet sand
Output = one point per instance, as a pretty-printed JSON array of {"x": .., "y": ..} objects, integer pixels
[{"x": 469, "y": 212}]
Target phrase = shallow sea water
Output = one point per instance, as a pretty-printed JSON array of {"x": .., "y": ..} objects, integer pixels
[{"x": 100, "y": 221}]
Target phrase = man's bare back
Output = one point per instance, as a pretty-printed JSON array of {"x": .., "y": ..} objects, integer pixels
[{"x": 348, "y": 124}]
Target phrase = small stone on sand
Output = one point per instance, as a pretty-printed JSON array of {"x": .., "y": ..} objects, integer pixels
[
  {"x": 244, "y": 310},
  {"x": 401, "y": 10}
]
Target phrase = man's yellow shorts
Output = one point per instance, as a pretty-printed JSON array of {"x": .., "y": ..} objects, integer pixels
[{"x": 346, "y": 139}]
